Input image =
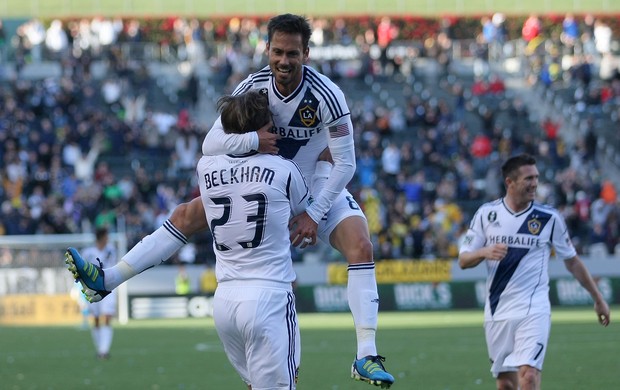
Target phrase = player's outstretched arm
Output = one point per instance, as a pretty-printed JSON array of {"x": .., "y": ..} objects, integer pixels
[
  {"x": 576, "y": 267},
  {"x": 217, "y": 142}
]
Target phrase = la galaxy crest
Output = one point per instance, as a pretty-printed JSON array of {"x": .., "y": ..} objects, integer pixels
[
  {"x": 307, "y": 115},
  {"x": 534, "y": 225}
]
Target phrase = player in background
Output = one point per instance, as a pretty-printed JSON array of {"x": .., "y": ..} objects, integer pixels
[
  {"x": 515, "y": 236},
  {"x": 311, "y": 122},
  {"x": 102, "y": 312}
]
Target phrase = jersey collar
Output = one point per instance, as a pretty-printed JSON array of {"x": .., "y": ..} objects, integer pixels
[
  {"x": 248, "y": 154},
  {"x": 290, "y": 97},
  {"x": 520, "y": 212}
]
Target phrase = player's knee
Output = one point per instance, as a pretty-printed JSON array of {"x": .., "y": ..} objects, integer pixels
[
  {"x": 179, "y": 217},
  {"x": 358, "y": 250},
  {"x": 505, "y": 384},
  {"x": 528, "y": 377},
  {"x": 189, "y": 217},
  {"x": 507, "y": 381}
]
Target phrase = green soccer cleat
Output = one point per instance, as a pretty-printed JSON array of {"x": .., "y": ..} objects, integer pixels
[
  {"x": 370, "y": 370},
  {"x": 88, "y": 274}
]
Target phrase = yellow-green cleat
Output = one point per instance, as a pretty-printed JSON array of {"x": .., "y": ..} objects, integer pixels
[
  {"x": 89, "y": 275},
  {"x": 370, "y": 369}
]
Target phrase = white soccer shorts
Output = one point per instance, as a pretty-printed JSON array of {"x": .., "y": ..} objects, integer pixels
[
  {"x": 257, "y": 324},
  {"x": 105, "y": 307},
  {"x": 344, "y": 206},
  {"x": 517, "y": 342}
]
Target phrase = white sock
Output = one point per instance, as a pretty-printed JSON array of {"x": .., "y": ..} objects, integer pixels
[
  {"x": 105, "y": 339},
  {"x": 364, "y": 305},
  {"x": 151, "y": 251},
  {"x": 96, "y": 335}
]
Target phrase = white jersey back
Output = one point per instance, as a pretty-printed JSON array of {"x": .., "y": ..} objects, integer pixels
[
  {"x": 107, "y": 255},
  {"x": 248, "y": 202},
  {"x": 303, "y": 118},
  {"x": 518, "y": 284}
]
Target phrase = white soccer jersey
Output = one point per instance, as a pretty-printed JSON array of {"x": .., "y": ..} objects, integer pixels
[
  {"x": 108, "y": 258},
  {"x": 518, "y": 285},
  {"x": 107, "y": 255},
  {"x": 314, "y": 116},
  {"x": 248, "y": 202}
]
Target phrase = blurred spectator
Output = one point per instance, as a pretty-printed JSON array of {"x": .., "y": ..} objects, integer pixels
[
  {"x": 501, "y": 35},
  {"x": 480, "y": 48},
  {"x": 56, "y": 40},
  {"x": 390, "y": 162},
  {"x": 489, "y": 30},
  {"x": 532, "y": 28},
  {"x": 35, "y": 35},
  {"x": 570, "y": 33},
  {"x": 602, "y": 37},
  {"x": 187, "y": 150},
  {"x": 386, "y": 33}
]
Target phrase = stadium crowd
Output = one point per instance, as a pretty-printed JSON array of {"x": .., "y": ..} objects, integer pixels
[{"x": 428, "y": 145}]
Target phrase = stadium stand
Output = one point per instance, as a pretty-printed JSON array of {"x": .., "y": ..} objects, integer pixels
[{"x": 106, "y": 128}]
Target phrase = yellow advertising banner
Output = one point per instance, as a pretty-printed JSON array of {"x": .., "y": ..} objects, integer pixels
[
  {"x": 398, "y": 271},
  {"x": 41, "y": 309}
]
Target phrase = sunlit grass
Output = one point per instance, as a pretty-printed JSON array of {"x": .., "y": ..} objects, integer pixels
[{"x": 425, "y": 350}]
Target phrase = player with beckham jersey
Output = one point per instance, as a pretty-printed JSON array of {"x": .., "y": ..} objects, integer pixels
[
  {"x": 248, "y": 201},
  {"x": 514, "y": 236}
]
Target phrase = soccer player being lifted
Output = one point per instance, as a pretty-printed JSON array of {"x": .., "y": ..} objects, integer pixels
[
  {"x": 254, "y": 304},
  {"x": 311, "y": 122}
]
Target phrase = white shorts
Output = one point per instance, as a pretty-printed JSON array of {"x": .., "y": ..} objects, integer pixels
[
  {"x": 257, "y": 324},
  {"x": 105, "y": 307},
  {"x": 517, "y": 342},
  {"x": 344, "y": 206}
]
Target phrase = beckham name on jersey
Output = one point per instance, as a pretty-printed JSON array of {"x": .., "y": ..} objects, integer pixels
[
  {"x": 239, "y": 175},
  {"x": 518, "y": 240}
]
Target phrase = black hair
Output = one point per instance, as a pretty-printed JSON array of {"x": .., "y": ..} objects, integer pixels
[
  {"x": 101, "y": 232},
  {"x": 290, "y": 24},
  {"x": 513, "y": 164}
]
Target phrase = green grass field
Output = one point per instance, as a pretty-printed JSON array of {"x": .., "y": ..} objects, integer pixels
[
  {"x": 48, "y": 8},
  {"x": 425, "y": 350}
]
